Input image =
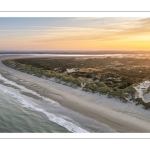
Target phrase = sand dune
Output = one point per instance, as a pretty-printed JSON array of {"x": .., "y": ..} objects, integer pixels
[{"x": 117, "y": 115}]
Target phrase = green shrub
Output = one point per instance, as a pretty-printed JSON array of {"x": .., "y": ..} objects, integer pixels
[
  {"x": 139, "y": 101},
  {"x": 119, "y": 94},
  {"x": 147, "y": 105},
  {"x": 90, "y": 87},
  {"x": 104, "y": 90},
  {"x": 130, "y": 90}
]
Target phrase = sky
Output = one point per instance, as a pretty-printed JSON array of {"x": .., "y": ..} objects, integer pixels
[{"x": 40, "y": 34}]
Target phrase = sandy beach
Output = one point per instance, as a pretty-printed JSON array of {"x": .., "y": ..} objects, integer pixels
[{"x": 114, "y": 113}]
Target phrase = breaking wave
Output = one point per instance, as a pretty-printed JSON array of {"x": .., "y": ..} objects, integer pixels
[{"x": 23, "y": 100}]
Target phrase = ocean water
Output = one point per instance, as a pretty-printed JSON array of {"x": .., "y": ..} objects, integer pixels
[
  {"x": 21, "y": 113},
  {"x": 17, "y": 119}
]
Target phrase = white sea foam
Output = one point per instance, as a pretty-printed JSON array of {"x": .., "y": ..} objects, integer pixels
[
  {"x": 52, "y": 117},
  {"x": 22, "y": 88}
]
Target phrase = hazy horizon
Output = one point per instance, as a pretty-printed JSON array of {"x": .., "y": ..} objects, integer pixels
[
  {"x": 74, "y": 34},
  {"x": 73, "y": 52}
]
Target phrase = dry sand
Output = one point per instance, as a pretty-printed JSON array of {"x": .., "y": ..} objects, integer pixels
[{"x": 117, "y": 115}]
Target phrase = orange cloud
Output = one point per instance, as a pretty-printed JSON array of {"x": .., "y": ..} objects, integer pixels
[{"x": 105, "y": 34}]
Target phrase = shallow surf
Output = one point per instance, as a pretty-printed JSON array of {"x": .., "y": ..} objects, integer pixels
[{"x": 54, "y": 114}]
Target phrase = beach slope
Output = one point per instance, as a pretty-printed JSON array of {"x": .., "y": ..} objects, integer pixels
[{"x": 122, "y": 117}]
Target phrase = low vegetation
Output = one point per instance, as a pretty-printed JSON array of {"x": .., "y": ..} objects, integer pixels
[{"x": 113, "y": 77}]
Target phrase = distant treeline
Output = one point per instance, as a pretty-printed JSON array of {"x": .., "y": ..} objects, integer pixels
[{"x": 114, "y": 77}]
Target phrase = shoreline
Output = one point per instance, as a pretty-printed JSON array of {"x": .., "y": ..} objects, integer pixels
[{"x": 87, "y": 104}]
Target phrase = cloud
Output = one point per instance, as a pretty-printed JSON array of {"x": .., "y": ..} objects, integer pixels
[{"x": 82, "y": 31}]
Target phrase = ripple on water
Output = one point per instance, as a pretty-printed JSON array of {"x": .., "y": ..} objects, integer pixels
[{"x": 14, "y": 118}]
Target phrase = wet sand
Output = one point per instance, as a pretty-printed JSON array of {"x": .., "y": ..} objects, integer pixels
[{"x": 90, "y": 105}]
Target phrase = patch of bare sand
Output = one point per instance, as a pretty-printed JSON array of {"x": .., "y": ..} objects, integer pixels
[{"x": 113, "y": 113}]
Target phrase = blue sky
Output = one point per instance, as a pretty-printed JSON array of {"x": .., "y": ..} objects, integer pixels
[{"x": 74, "y": 33}]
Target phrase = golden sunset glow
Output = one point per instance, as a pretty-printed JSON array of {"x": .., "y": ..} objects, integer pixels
[{"x": 75, "y": 34}]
